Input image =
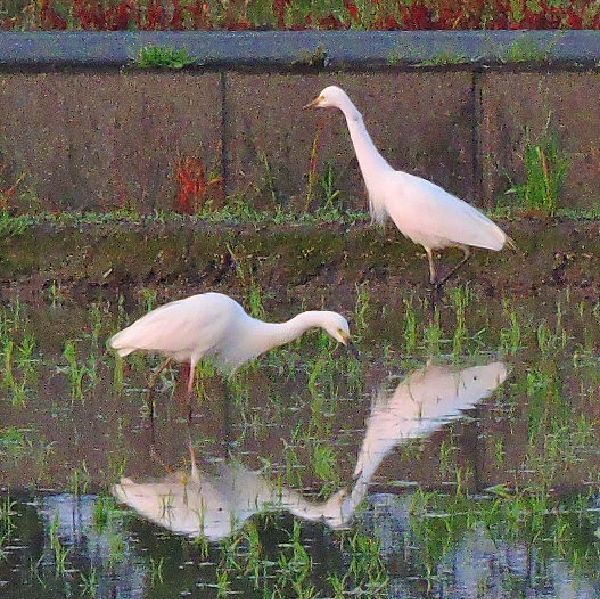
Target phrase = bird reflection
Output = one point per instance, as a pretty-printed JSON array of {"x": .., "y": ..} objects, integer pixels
[
  {"x": 215, "y": 504},
  {"x": 421, "y": 404},
  {"x": 215, "y": 501}
]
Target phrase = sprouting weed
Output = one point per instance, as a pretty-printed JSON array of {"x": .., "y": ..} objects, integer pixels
[
  {"x": 255, "y": 552},
  {"x": 7, "y": 514},
  {"x": 201, "y": 542},
  {"x": 255, "y": 301},
  {"x": 366, "y": 566},
  {"x": 510, "y": 337},
  {"x": 89, "y": 583},
  {"x": 432, "y": 336},
  {"x": 60, "y": 558},
  {"x": 79, "y": 480},
  {"x": 293, "y": 466},
  {"x": 156, "y": 570},
  {"x": 325, "y": 467},
  {"x": 361, "y": 309},
  {"x": 55, "y": 294},
  {"x": 25, "y": 354},
  {"x": 269, "y": 179},
  {"x": 118, "y": 373},
  {"x": 447, "y": 456},
  {"x": 122, "y": 318},
  {"x": 329, "y": 188},
  {"x": 546, "y": 167},
  {"x": 75, "y": 372},
  {"x": 338, "y": 585},
  {"x": 148, "y": 298},
  {"x": 105, "y": 514},
  {"x": 60, "y": 553},
  {"x": 461, "y": 298},
  {"x": 410, "y": 327},
  {"x": 499, "y": 451},
  {"x": 313, "y": 169}
]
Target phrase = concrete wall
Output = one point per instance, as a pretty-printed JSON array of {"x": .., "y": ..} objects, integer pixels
[{"x": 91, "y": 138}]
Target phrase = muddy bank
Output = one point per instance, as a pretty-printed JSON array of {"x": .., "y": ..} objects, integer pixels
[{"x": 326, "y": 259}]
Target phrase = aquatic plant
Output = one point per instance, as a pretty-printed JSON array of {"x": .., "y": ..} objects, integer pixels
[
  {"x": 75, "y": 371},
  {"x": 89, "y": 583}
]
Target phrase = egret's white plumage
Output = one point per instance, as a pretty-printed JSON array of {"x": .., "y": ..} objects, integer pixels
[
  {"x": 422, "y": 211},
  {"x": 214, "y": 325}
]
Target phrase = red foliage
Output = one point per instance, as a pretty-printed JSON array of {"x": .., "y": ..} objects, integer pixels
[
  {"x": 389, "y": 14},
  {"x": 193, "y": 186}
]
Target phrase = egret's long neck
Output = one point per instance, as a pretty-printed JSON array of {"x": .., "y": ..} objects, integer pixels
[
  {"x": 370, "y": 160},
  {"x": 273, "y": 335}
]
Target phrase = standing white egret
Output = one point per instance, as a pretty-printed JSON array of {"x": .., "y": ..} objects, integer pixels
[
  {"x": 422, "y": 211},
  {"x": 214, "y": 325}
]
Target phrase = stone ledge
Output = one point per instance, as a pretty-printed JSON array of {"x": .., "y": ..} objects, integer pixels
[{"x": 297, "y": 50}]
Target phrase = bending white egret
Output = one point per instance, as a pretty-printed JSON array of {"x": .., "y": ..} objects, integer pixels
[
  {"x": 422, "y": 211},
  {"x": 212, "y": 324}
]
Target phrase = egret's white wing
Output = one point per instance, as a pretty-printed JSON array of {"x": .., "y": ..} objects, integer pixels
[
  {"x": 195, "y": 324},
  {"x": 431, "y": 216}
]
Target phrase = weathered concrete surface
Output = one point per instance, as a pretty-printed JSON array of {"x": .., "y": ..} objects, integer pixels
[
  {"x": 103, "y": 140},
  {"x": 281, "y": 49},
  {"x": 564, "y": 103},
  {"x": 320, "y": 261},
  {"x": 96, "y": 141},
  {"x": 422, "y": 123}
]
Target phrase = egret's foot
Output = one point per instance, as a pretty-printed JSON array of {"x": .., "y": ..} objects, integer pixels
[{"x": 453, "y": 271}]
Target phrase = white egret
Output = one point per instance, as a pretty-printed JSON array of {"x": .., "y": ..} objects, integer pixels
[
  {"x": 422, "y": 211},
  {"x": 214, "y": 325}
]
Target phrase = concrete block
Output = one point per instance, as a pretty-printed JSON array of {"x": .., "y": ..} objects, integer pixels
[
  {"x": 565, "y": 103},
  {"x": 98, "y": 141}
]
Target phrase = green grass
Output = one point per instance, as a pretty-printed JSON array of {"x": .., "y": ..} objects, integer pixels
[
  {"x": 546, "y": 168},
  {"x": 158, "y": 57}
]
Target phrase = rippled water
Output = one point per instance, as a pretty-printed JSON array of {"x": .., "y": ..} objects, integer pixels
[{"x": 458, "y": 458}]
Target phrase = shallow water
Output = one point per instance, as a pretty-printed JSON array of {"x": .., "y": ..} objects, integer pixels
[{"x": 458, "y": 458}]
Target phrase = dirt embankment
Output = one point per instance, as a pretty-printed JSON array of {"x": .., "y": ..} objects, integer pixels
[{"x": 327, "y": 259}]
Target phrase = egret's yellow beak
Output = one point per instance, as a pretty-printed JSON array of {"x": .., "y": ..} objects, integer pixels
[{"x": 314, "y": 104}]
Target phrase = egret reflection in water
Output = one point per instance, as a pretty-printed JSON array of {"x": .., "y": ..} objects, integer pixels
[
  {"x": 216, "y": 501},
  {"x": 421, "y": 404}
]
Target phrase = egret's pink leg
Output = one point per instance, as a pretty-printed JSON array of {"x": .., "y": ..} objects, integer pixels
[
  {"x": 190, "y": 387},
  {"x": 192, "y": 376},
  {"x": 432, "y": 276}
]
